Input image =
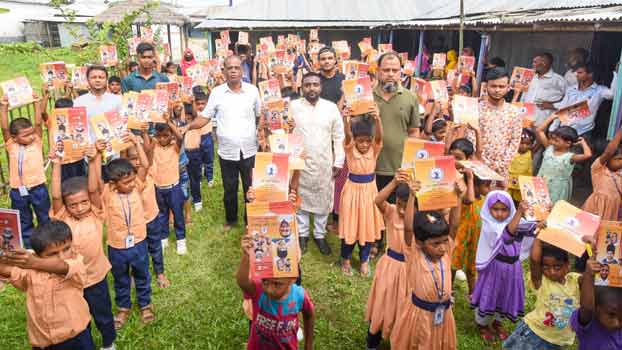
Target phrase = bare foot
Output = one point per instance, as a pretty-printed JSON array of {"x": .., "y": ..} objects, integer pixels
[
  {"x": 163, "y": 282},
  {"x": 346, "y": 267},
  {"x": 365, "y": 269}
]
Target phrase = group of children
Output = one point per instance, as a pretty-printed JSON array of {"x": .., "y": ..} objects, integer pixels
[{"x": 65, "y": 274}]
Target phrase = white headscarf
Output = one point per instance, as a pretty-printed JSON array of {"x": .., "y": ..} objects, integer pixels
[{"x": 491, "y": 228}]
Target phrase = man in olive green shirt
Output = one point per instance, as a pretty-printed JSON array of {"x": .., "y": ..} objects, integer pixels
[{"x": 399, "y": 112}]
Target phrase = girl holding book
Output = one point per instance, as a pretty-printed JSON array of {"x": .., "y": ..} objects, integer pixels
[{"x": 360, "y": 221}]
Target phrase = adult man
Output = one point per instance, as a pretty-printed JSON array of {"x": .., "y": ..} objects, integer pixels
[
  {"x": 146, "y": 76},
  {"x": 586, "y": 90},
  {"x": 399, "y": 112},
  {"x": 236, "y": 106},
  {"x": 331, "y": 78},
  {"x": 576, "y": 57},
  {"x": 500, "y": 124},
  {"x": 547, "y": 87},
  {"x": 319, "y": 122}
]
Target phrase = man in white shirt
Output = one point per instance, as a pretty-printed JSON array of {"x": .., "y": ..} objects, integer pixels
[
  {"x": 320, "y": 124},
  {"x": 235, "y": 106},
  {"x": 98, "y": 100},
  {"x": 546, "y": 88}
]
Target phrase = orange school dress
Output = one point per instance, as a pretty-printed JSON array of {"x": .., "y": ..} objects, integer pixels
[
  {"x": 389, "y": 290},
  {"x": 414, "y": 328},
  {"x": 359, "y": 218},
  {"x": 606, "y": 200}
]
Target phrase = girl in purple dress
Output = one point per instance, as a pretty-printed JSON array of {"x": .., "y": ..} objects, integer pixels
[{"x": 504, "y": 241}]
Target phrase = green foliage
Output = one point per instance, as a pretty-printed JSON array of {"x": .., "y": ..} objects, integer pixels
[{"x": 20, "y": 48}]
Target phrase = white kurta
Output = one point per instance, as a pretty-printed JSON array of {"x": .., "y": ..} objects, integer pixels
[{"x": 321, "y": 127}]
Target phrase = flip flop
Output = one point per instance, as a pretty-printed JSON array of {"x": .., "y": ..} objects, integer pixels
[{"x": 146, "y": 314}]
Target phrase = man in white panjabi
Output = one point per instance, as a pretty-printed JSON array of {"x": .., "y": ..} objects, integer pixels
[{"x": 320, "y": 124}]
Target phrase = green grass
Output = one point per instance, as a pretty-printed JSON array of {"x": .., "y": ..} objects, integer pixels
[{"x": 202, "y": 309}]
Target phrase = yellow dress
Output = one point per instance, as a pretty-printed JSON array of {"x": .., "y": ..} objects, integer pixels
[{"x": 521, "y": 166}]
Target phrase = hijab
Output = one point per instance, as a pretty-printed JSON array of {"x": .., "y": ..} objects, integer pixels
[
  {"x": 187, "y": 64},
  {"x": 491, "y": 228}
]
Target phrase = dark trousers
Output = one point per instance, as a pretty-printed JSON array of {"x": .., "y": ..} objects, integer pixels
[
  {"x": 100, "y": 306},
  {"x": 171, "y": 199},
  {"x": 154, "y": 246},
  {"x": 82, "y": 341},
  {"x": 207, "y": 152},
  {"x": 230, "y": 172},
  {"x": 373, "y": 340},
  {"x": 37, "y": 199},
  {"x": 137, "y": 259},
  {"x": 195, "y": 163},
  {"x": 347, "y": 249},
  {"x": 72, "y": 169}
]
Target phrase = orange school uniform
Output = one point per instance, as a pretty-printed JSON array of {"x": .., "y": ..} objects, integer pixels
[
  {"x": 55, "y": 307},
  {"x": 165, "y": 167},
  {"x": 33, "y": 173},
  {"x": 116, "y": 210},
  {"x": 87, "y": 239},
  {"x": 150, "y": 206}
]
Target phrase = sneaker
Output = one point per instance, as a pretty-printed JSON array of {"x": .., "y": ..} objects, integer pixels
[
  {"x": 165, "y": 243},
  {"x": 300, "y": 334},
  {"x": 210, "y": 183},
  {"x": 198, "y": 206},
  {"x": 181, "y": 247},
  {"x": 460, "y": 275},
  {"x": 323, "y": 246},
  {"x": 111, "y": 347}
]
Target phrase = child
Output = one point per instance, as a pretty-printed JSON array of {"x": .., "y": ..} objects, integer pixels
[
  {"x": 598, "y": 322},
  {"x": 58, "y": 316},
  {"x": 150, "y": 207},
  {"x": 78, "y": 203},
  {"x": 389, "y": 287},
  {"x": 207, "y": 142},
  {"x": 606, "y": 200},
  {"x": 164, "y": 167},
  {"x": 276, "y": 305},
  {"x": 24, "y": 145},
  {"x": 437, "y": 130},
  {"x": 114, "y": 85},
  {"x": 170, "y": 69},
  {"x": 499, "y": 290},
  {"x": 194, "y": 151},
  {"x": 126, "y": 232},
  {"x": 426, "y": 320},
  {"x": 360, "y": 220},
  {"x": 521, "y": 165},
  {"x": 557, "y": 296},
  {"x": 558, "y": 162}
]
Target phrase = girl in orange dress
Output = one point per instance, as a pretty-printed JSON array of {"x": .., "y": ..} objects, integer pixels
[
  {"x": 606, "y": 200},
  {"x": 426, "y": 320},
  {"x": 389, "y": 288},
  {"x": 360, "y": 221}
]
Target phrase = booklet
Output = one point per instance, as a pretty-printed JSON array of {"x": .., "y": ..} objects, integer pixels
[
  {"x": 69, "y": 131},
  {"x": 384, "y": 48},
  {"x": 18, "y": 91},
  {"x": 271, "y": 177},
  {"x": 418, "y": 149},
  {"x": 567, "y": 225},
  {"x": 160, "y": 104},
  {"x": 422, "y": 89},
  {"x": 224, "y": 36},
  {"x": 452, "y": 78},
  {"x": 108, "y": 55},
  {"x": 521, "y": 78},
  {"x": 527, "y": 111},
  {"x": 609, "y": 254},
  {"x": 110, "y": 127},
  {"x": 354, "y": 69},
  {"x": 11, "y": 236},
  {"x": 172, "y": 88},
  {"x": 466, "y": 64},
  {"x": 574, "y": 113},
  {"x": 314, "y": 35},
  {"x": 365, "y": 46},
  {"x": 142, "y": 112},
  {"x": 438, "y": 183},
  {"x": 358, "y": 95},
  {"x": 466, "y": 110},
  {"x": 78, "y": 78},
  {"x": 409, "y": 68},
  {"x": 129, "y": 106},
  {"x": 290, "y": 144},
  {"x": 535, "y": 191},
  {"x": 278, "y": 113},
  {"x": 185, "y": 87},
  {"x": 243, "y": 38},
  {"x": 273, "y": 228},
  {"x": 342, "y": 48},
  {"x": 439, "y": 60},
  {"x": 132, "y": 44},
  {"x": 439, "y": 91},
  {"x": 146, "y": 33},
  {"x": 269, "y": 90},
  {"x": 481, "y": 170},
  {"x": 54, "y": 74},
  {"x": 199, "y": 74}
]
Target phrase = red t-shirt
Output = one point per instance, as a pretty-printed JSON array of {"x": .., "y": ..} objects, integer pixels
[{"x": 275, "y": 323}]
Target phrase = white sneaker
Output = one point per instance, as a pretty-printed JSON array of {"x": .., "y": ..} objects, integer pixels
[
  {"x": 300, "y": 334},
  {"x": 111, "y": 347},
  {"x": 181, "y": 247},
  {"x": 460, "y": 276},
  {"x": 198, "y": 206},
  {"x": 210, "y": 183},
  {"x": 165, "y": 243}
]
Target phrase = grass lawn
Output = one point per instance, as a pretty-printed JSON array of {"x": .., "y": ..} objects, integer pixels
[{"x": 202, "y": 309}]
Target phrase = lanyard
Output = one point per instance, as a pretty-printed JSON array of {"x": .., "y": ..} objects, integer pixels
[
  {"x": 440, "y": 291},
  {"x": 127, "y": 215},
  {"x": 20, "y": 162}
]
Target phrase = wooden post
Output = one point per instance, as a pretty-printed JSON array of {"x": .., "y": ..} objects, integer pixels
[
  {"x": 170, "y": 42},
  {"x": 420, "y": 54},
  {"x": 483, "y": 52},
  {"x": 181, "y": 41},
  {"x": 461, "y": 40}
]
